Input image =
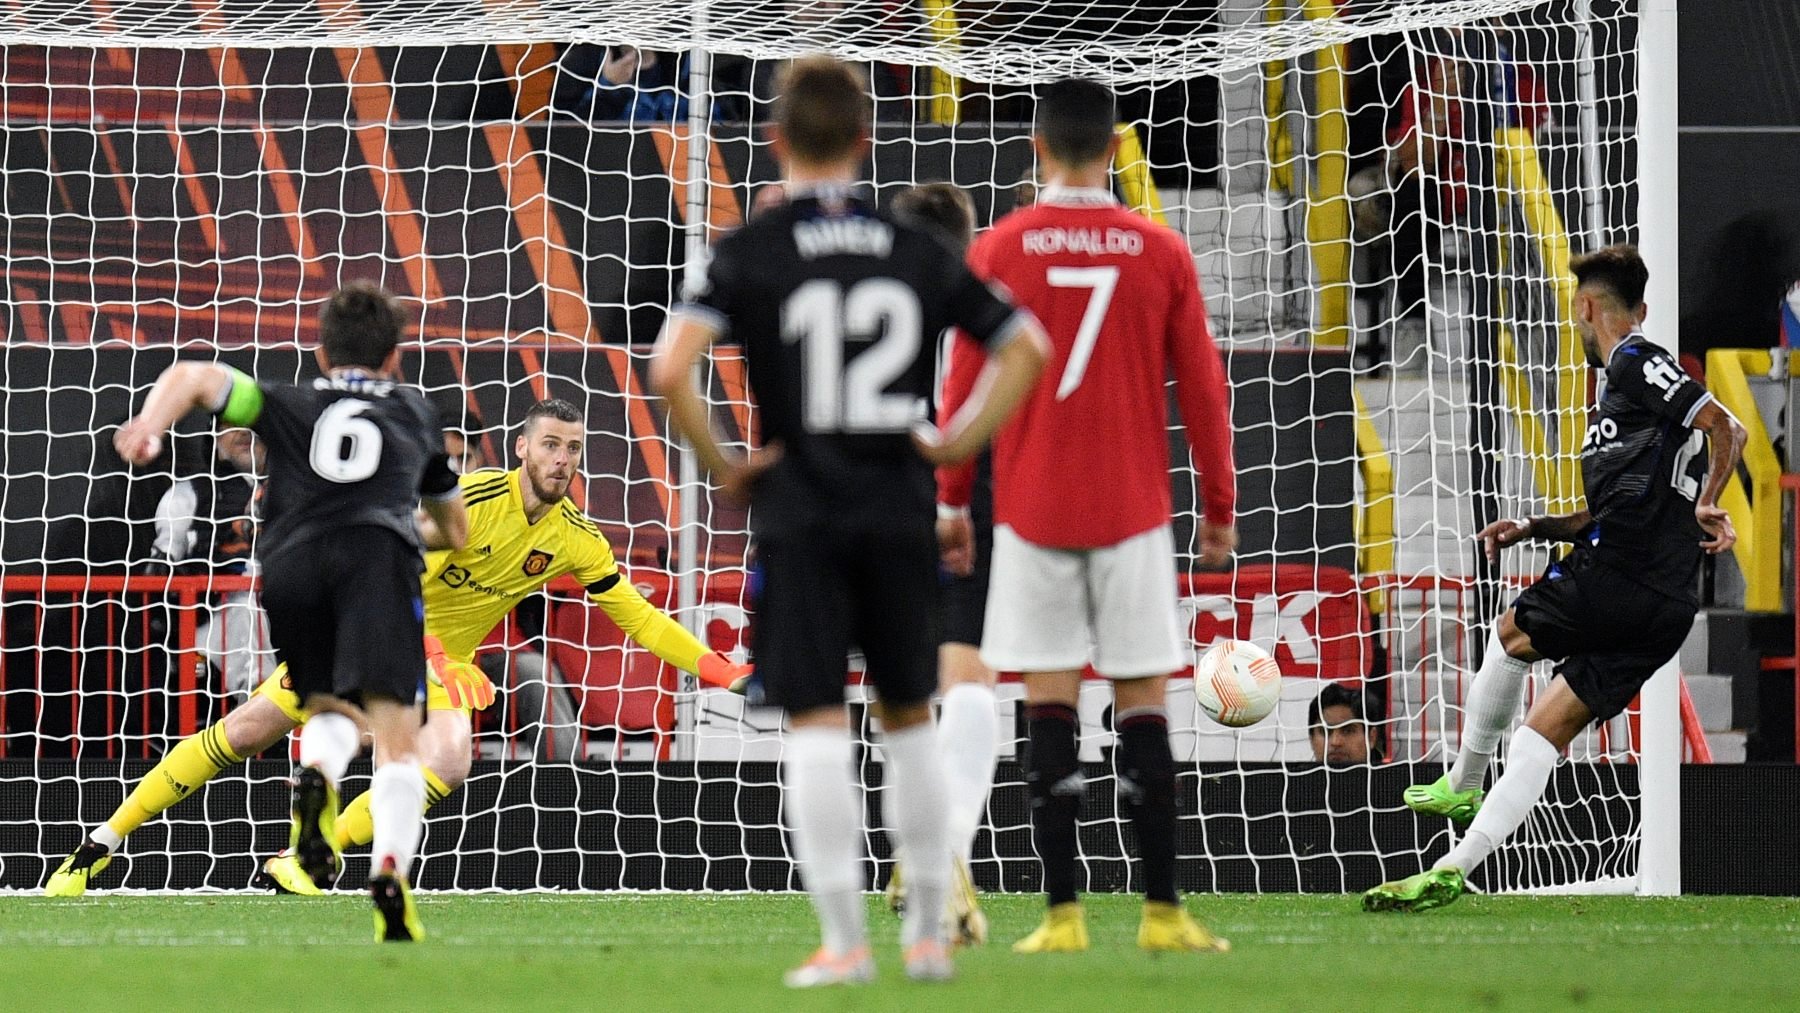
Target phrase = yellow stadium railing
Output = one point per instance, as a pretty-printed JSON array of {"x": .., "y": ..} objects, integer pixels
[
  {"x": 1376, "y": 538},
  {"x": 1557, "y": 469},
  {"x": 1756, "y": 510}
]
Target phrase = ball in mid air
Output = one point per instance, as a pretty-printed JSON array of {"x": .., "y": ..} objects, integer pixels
[{"x": 1237, "y": 683}]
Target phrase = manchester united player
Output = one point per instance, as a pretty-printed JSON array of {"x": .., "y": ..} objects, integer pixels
[{"x": 1084, "y": 560}]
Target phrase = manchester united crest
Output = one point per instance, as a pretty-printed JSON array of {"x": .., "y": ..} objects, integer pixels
[{"x": 537, "y": 563}]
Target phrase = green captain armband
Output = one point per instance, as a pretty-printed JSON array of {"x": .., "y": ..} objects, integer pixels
[{"x": 244, "y": 405}]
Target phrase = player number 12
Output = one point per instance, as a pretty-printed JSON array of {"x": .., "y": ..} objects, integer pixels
[{"x": 1100, "y": 282}]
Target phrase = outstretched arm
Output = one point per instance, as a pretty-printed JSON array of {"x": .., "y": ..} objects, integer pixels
[
  {"x": 661, "y": 635},
  {"x": 180, "y": 389}
]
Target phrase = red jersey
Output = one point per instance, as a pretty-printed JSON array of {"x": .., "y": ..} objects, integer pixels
[{"x": 1084, "y": 463}]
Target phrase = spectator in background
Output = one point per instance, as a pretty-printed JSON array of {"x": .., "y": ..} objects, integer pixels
[
  {"x": 207, "y": 525},
  {"x": 463, "y": 443},
  {"x": 622, "y": 83},
  {"x": 1334, "y": 721}
]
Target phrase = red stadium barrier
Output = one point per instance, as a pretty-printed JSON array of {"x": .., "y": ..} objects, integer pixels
[{"x": 101, "y": 666}]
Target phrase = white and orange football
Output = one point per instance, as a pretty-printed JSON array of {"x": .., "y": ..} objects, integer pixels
[{"x": 1237, "y": 683}]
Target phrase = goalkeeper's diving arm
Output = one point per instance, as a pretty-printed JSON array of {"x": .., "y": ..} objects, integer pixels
[{"x": 655, "y": 631}]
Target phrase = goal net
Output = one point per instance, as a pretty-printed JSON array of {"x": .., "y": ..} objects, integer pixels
[{"x": 1381, "y": 196}]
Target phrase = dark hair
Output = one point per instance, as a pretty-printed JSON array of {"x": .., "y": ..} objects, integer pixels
[
  {"x": 551, "y": 408},
  {"x": 360, "y": 325},
  {"x": 1335, "y": 694},
  {"x": 1075, "y": 118},
  {"x": 942, "y": 206},
  {"x": 821, "y": 108},
  {"x": 1618, "y": 269}
]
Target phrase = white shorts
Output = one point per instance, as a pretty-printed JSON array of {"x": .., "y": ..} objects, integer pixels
[{"x": 1051, "y": 610}]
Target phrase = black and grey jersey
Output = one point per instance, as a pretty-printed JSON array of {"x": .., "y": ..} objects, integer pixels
[
  {"x": 838, "y": 307},
  {"x": 344, "y": 452},
  {"x": 1643, "y": 465}
]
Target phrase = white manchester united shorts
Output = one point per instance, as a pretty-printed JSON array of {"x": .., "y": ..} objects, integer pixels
[{"x": 1052, "y": 610}]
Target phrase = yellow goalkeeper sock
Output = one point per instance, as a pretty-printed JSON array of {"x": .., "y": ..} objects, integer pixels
[
  {"x": 356, "y": 826},
  {"x": 194, "y": 761}
]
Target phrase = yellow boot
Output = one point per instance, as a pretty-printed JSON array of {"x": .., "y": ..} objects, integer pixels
[
  {"x": 1168, "y": 928},
  {"x": 1064, "y": 931}
]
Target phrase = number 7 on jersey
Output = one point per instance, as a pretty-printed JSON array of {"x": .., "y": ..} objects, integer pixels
[{"x": 1100, "y": 282}]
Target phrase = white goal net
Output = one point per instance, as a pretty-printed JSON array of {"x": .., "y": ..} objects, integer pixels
[{"x": 1381, "y": 196}]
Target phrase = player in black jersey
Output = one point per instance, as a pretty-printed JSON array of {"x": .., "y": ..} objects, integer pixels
[
  {"x": 837, "y": 306},
  {"x": 349, "y": 457},
  {"x": 1618, "y": 606},
  {"x": 968, "y": 717}
]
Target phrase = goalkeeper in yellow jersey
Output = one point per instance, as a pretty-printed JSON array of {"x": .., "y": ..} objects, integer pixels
[{"x": 523, "y": 533}]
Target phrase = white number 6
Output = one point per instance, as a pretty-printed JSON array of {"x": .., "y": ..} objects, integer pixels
[{"x": 345, "y": 446}]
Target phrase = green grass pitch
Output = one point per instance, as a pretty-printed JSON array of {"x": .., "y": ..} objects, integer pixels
[{"x": 706, "y": 953}]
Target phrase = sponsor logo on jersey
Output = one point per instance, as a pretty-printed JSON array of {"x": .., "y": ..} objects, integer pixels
[
  {"x": 537, "y": 563},
  {"x": 457, "y": 576},
  {"x": 1599, "y": 434},
  {"x": 1091, "y": 241}
]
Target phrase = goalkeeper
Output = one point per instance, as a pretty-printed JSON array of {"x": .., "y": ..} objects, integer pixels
[{"x": 523, "y": 533}]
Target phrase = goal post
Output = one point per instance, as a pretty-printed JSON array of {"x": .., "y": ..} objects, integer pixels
[{"x": 190, "y": 180}]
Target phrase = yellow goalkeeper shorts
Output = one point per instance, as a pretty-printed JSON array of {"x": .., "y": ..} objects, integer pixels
[{"x": 278, "y": 689}]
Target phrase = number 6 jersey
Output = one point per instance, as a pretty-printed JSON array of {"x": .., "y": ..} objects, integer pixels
[
  {"x": 838, "y": 308},
  {"x": 349, "y": 451},
  {"x": 1642, "y": 465}
]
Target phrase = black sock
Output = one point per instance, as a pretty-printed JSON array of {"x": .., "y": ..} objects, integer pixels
[
  {"x": 1147, "y": 784},
  {"x": 1053, "y": 775}
]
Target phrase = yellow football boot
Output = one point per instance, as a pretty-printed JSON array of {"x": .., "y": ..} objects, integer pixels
[
  {"x": 1064, "y": 931},
  {"x": 1168, "y": 928}
]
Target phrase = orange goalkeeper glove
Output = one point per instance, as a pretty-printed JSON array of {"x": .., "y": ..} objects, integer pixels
[
  {"x": 465, "y": 684},
  {"x": 717, "y": 669}
]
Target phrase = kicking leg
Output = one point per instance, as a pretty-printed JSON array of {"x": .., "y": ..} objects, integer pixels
[{"x": 1556, "y": 718}]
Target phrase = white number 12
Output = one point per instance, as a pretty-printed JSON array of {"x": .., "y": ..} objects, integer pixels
[{"x": 1100, "y": 282}]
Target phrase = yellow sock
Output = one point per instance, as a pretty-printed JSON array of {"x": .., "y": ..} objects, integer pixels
[
  {"x": 355, "y": 826},
  {"x": 194, "y": 761}
]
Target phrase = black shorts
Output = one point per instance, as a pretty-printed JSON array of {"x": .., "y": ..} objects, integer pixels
[
  {"x": 962, "y": 601},
  {"x": 1608, "y": 633},
  {"x": 828, "y": 590},
  {"x": 346, "y": 617}
]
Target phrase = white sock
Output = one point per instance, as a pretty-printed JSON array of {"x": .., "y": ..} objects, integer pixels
[
  {"x": 967, "y": 729},
  {"x": 106, "y": 835},
  {"x": 329, "y": 742},
  {"x": 819, "y": 775},
  {"x": 916, "y": 808},
  {"x": 1493, "y": 704},
  {"x": 397, "y": 807},
  {"x": 1528, "y": 765}
]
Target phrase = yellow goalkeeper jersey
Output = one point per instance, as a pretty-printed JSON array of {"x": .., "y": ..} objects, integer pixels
[{"x": 469, "y": 590}]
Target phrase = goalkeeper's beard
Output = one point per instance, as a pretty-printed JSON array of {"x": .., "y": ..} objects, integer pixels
[{"x": 548, "y": 490}]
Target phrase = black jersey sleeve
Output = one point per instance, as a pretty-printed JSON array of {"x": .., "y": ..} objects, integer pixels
[
  {"x": 1654, "y": 379},
  {"x": 982, "y": 313},
  {"x": 286, "y": 420},
  {"x": 715, "y": 292},
  {"x": 439, "y": 480}
]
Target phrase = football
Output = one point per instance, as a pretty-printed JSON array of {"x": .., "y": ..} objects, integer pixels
[{"x": 1237, "y": 683}]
